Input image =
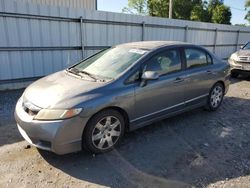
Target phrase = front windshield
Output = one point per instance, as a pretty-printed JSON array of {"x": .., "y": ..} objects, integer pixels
[
  {"x": 111, "y": 62},
  {"x": 247, "y": 46}
]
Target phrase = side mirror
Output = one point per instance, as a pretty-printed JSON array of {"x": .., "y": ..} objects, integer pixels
[
  {"x": 241, "y": 47},
  {"x": 148, "y": 75}
]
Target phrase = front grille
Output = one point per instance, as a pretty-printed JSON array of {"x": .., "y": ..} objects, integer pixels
[
  {"x": 244, "y": 59},
  {"x": 242, "y": 63}
]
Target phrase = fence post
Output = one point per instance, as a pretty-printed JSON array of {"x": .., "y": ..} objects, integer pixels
[
  {"x": 82, "y": 36},
  {"x": 215, "y": 39},
  {"x": 186, "y": 34},
  {"x": 143, "y": 31},
  {"x": 237, "y": 40}
]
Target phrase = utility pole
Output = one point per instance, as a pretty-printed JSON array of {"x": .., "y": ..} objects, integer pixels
[{"x": 170, "y": 11}]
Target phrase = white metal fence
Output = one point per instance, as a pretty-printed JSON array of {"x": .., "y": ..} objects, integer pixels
[
  {"x": 36, "y": 40},
  {"x": 87, "y": 4}
]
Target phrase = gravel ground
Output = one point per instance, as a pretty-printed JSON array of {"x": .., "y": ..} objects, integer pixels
[{"x": 194, "y": 149}]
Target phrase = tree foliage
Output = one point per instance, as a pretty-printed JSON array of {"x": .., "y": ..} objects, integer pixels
[
  {"x": 158, "y": 8},
  {"x": 247, "y": 6},
  {"x": 221, "y": 14},
  {"x": 214, "y": 3},
  {"x": 181, "y": 8},
  {"x": 198, "y": 10},
  {"x": 213, "y": 11},
  {"x": 200, "y": 13},
  {"x": 136, "y": 7}
]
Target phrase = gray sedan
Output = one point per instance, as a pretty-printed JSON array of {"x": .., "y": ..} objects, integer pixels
[{"x": 93, "y": 103}]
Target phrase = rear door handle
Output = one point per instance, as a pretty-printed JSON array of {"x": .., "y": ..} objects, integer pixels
[{"x": 178, "y": 80}]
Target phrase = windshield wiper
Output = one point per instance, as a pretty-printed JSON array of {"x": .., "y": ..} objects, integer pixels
[
  {"x": 94, "y": 77},
  {"x": 73, "y": 70},
  {"x": 87, "y": 73},
  {"x": 78, "y": 72}
]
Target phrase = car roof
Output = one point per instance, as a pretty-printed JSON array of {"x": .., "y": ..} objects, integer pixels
[{"x": 151, "y": 45}]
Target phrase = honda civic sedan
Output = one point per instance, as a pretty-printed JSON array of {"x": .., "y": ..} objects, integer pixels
[{"x": 93, "y": 103}]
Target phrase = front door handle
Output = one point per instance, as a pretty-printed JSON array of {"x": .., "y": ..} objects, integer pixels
[
  {"x": 178, "y": 80},
  {"x": 210, "y": 72}
]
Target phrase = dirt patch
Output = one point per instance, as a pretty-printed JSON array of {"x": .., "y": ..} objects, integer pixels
[{"x": 198, "y": 148}]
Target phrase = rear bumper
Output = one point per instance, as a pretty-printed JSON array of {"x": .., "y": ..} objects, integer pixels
[{"x": 59, "y": 136}]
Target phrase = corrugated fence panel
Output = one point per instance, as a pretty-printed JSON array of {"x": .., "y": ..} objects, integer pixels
[
  {"x": 227, "y": 38},
  {"x": 21, "y": 32},
  {"x": 89, "y": 4},
  {"x": 39, "y": 37},
  {"x": 26, "y": 64},
  {"x": 243, "y": 38},
  {"x": 225, "y": 51},
  {"x": 110, "y": 34},
  {"x": 201, "y": 37}
]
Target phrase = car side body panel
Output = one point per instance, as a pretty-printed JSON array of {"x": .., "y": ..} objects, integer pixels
[{"x": 144, "y": 105}]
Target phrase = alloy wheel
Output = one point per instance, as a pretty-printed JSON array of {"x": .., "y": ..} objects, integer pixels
[
  {"x": 216, "y": 96},
  {"x": 106, "y": 132}
]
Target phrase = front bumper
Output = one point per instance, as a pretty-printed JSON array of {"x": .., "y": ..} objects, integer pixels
[
  {"x": 240, "y": 66},
  {"x": 58, "y": 136},
  {"x": 240, "y": 71}
]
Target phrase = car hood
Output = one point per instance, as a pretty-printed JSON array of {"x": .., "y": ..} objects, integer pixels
[
  {"x": 60, "y": 90},
  {"x": 243, "y": 53}
]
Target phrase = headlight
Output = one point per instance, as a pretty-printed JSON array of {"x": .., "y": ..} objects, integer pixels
[
  {"x": 234, "y": 57},
  {"x": 231, "y": 62},
  {"x": 50, "y": 114}
]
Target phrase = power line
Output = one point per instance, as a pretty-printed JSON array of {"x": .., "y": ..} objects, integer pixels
[
  {"x": 244, "y": 10},
  {"x": 236, "y": 8}
]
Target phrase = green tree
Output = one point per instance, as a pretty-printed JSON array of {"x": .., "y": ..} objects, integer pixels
[
  {"x": 158, "y": 8},
  {"x": 221, "y": 14},
  {"x": 181, "y": 8},
  {"x": 136, "y": 7},
  {"x": 214, "y": 3},
  {"x": 198, "y": 10},
  {"x": 200, "y": 13},
  {"x": 247, "y": 6}
]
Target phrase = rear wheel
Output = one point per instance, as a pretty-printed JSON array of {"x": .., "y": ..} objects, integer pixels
[
  {"x": 104, "y": 131},
  {"x": 215, "y": 97}
]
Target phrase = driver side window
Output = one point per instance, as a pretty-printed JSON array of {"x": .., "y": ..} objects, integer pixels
[{"x": 165, "y": 62}]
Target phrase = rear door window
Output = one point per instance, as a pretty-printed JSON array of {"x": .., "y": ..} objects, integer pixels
[{"x": 197, "y": 58}]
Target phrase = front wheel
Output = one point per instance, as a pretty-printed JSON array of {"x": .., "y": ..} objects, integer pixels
[
  {"x": 104, "y": 131},
  {"x": 215, "y": 97}
]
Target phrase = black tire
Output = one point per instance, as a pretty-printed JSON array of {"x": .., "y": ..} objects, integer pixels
[
  {"x": 210, "y": 106},
  {"x": 234, "y": 74},
  {"x": 91, "y": 128}
]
